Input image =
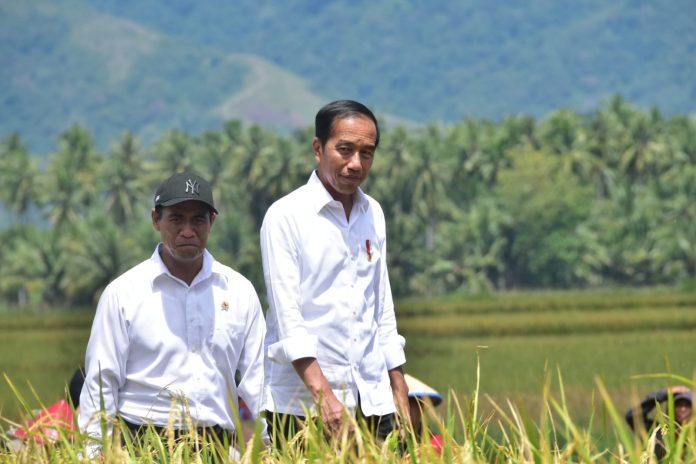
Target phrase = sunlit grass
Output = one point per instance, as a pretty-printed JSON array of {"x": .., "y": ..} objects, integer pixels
[
  {"x": 570, "y": 321},
  {"x": 511, "y": 412},
  {"x": 468, "y": 436},
  {"x": 546, "y": 301}
]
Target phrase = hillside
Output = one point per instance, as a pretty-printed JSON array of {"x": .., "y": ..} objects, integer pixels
[
  {"x": 271, "y": 96},
  {"x": 79, "y": 66},
  {"x": 148, "y": 66}
]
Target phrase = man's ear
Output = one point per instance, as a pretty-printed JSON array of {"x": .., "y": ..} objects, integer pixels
[
  {"x": 316, "y": 148},
  {"x": 212, "y": 217},
  {"x": 155, "y": 219}
]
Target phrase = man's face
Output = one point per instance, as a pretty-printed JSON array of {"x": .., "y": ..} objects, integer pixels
[
  {"x": 682, "y": 411},
  {"x": 184, "y": 230},
  {"x": 346, "y": 158}
]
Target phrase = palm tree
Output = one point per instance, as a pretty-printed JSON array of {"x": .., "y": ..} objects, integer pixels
[
  {"x": 124, "y": 178},
  {"x": 214, "y": 155},
  {"x": 173, "y": 153},
  {"x": 389, "y": 180},
  {"x": 429, "y": 192},
  {"x": 15, "y": 283},
  {"x": 471, "y": 255},
  {"x": 71, "y": 178},
  {"x": 18, "y": 176},
  {"x": 258, "y": 150},
  {"x": 98, "y": 252},
  {"x": 63, "y": 195},
  {"x": 646, "y": 152},
  {"x": 34, "y": 265}
]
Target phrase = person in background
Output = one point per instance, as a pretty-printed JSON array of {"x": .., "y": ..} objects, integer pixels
[
  {"x": 53, "y": 422},
  {"x": 170, "y": 334},
  {"x": 683, "y": 400},
  {"x": 332, "y": 344},
  {"x": 75, "y": 388},
  {"x": 419, "y": 395}
]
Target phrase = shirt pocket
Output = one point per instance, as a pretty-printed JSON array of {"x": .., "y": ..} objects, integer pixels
[{"x": 226, "y": 342}]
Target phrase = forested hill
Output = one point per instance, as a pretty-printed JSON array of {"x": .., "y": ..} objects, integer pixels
[{"x": 149, "y": 66}]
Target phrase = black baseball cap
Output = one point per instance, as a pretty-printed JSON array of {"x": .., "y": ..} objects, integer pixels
[{"x": 184, "y": 186}]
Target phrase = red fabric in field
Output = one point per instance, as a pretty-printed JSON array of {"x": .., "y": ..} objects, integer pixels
[
  {"x": 436, "y": 442},
  {"x": 49, "y": 422}
]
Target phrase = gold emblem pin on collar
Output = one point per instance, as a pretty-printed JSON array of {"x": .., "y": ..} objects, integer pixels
[{"x": 225, "y": 306}]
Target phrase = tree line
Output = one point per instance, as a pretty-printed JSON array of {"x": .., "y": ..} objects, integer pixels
[{"x": 570, "y": 201}]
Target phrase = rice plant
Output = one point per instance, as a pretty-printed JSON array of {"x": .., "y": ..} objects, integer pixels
[{"x": 465, "y": 435}]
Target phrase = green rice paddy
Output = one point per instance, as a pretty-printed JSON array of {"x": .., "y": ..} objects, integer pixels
[{"x": 521, "y": 340}]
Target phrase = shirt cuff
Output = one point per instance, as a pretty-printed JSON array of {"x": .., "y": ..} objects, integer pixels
[
  {"x": 292, "y": 348},
  {"x": 394, "y": 355}
]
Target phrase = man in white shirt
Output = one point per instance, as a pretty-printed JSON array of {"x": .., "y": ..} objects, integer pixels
[
  {"x": 331, "y": 330},
  {"x": 170, "y": 334}
]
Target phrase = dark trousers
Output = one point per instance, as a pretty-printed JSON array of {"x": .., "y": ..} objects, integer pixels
[
  {"x": 211, "y": 434},
  {"x": 283, "y": 427}
]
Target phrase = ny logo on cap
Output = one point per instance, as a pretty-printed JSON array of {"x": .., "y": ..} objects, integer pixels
[{"x": 192, "y": 186}]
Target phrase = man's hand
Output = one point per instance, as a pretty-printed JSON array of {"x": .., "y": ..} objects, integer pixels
[
  {"x": 331, "y": 409},
  {"x": 332, "y": 413}
]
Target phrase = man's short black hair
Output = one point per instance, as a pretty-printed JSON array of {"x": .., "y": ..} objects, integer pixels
[{"x": 339, "y": 109}]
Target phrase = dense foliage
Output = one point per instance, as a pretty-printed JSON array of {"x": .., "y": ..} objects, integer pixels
[
  {"x": 66, "y": 64},
  {"x": 444, "y": 59},
  {"x": 147, "y": 66},
  {"x": 575, "y": 200}
]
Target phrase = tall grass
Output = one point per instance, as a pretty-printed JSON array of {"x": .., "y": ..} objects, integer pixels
[
  {"x": 513, "y": 409},
  {"x": 508, "y": 435}
]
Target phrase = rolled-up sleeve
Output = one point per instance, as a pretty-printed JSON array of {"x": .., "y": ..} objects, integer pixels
[{"x": 281, "y": 269}]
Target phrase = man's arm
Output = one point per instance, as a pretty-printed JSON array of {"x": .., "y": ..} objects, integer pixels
[
  {"x": 281, "y": 261},
  {"x": 250, "y": 364},
  {"x": 331, "y": 409},
  {"x": 400, "y": 394},
  {"x": 105, "y": 361}
]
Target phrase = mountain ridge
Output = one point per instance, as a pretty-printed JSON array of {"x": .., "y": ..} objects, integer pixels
[{"x": 148, "y": 67}]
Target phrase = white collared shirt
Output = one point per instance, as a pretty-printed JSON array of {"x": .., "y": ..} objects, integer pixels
[
  {"x": 166, "y": 349},
  {"x": 329, "y": 298}
]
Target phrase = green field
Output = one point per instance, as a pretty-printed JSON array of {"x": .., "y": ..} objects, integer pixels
[
  {"x": 520, "y": 340},
  {"x": 523, "y": 339},
  {"x": 41, "y": 350}
]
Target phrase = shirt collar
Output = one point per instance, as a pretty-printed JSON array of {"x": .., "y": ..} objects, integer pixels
[
  {"x": 320, "y": 197},
  {"x": 159, "y": 268}
]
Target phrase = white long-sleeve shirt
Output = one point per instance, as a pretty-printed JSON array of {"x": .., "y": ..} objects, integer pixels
[
  {"x": 329, "y": 298},
  {"x": 161, "y": 345}
]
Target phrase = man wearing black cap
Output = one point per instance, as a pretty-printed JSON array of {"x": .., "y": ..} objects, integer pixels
[
  {"x": 682, "y": 397},
  {"x": 170, "y": 334}
]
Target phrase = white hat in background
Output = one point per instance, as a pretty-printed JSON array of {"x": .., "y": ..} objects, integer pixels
[{"x": 418, "y": 389}]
